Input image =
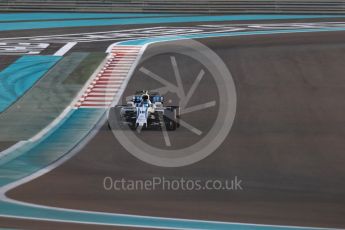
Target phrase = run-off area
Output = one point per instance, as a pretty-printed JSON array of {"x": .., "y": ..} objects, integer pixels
[{"x": 286, "y": 143}]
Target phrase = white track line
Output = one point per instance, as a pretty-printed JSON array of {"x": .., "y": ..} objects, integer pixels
[{"x": 63, "y": 50}]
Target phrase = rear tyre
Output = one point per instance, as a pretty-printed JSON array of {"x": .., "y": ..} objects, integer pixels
[
  {"x": 170, "y": 125},
  {"x": 170, "y": 118}
]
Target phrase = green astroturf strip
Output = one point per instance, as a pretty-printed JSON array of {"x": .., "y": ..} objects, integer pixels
[
  {"x": 5, "y": 26},
  {"x": 43, "y": 102}
]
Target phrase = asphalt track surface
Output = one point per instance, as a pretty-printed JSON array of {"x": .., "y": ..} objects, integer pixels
[
  {"x": 286, "y": 143},
  {"x": 280, "y": 187}
]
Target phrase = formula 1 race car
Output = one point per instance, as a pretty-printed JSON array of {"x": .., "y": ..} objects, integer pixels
[{"x": 146, "y": 110}]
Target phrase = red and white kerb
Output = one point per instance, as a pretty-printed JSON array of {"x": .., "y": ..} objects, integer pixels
[{"x": 103, "y": 88}]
